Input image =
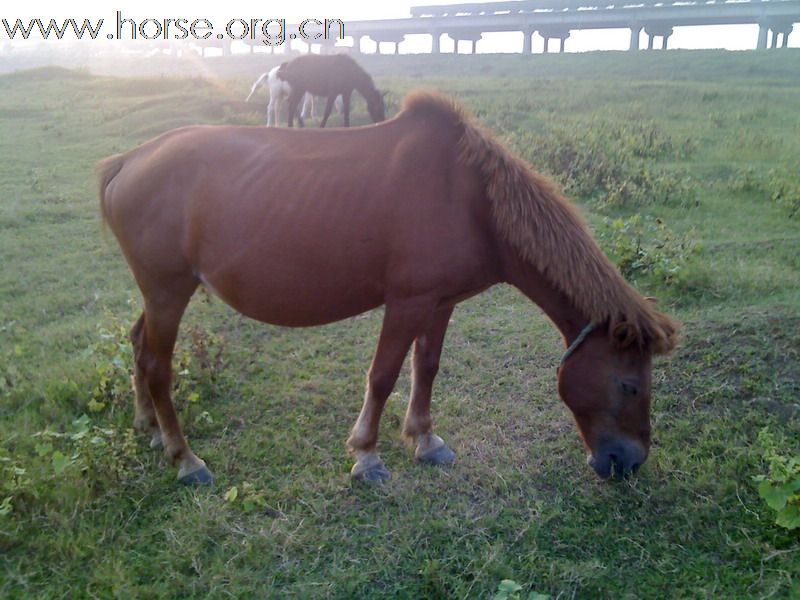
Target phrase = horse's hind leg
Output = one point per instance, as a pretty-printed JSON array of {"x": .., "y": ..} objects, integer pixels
[
  {"x": 430, "y": 448},
  {"x": 162, "y": 314},
  {"x": 144, "y": 419},
  {"x": 346, "y": 108},
  {"x": 402, "y": 322}
]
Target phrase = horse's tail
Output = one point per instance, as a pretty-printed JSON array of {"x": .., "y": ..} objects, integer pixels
[{"x": 106, "y": 170}]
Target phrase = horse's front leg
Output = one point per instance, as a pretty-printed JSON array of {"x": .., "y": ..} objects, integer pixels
[
  {"x": 294, "y": 103},
  {"x": 402, "y": 322},
  {"x": 328, "y": 109},
  {"x": 430, "y": 448}
]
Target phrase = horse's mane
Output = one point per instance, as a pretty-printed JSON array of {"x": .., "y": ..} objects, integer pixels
[
  {"x": 366, "y": 78},
  {"x": 534, "y": 216}
]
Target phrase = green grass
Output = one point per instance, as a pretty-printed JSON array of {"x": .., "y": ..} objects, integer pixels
[{"x": 270, "y": 408}]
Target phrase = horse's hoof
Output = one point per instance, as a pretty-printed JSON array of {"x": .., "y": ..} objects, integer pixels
[
  {"x": 157, "y": 442},
  {"x": 438, "y": 456},
  {"x": 200, "y": 476},
  {"x": 377, "y": 473}
]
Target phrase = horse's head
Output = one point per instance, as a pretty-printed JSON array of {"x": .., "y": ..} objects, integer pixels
[
  {"x": 376, "y": 106},
  {"x": 605, "y": 381}
]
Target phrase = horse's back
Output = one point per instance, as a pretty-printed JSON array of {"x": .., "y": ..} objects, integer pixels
[
  {"x": 277, "y": 220},
  {"x": 324, "y": 75}
]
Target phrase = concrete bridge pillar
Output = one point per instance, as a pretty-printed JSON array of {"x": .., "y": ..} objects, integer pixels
[
  {"x": 436, "y": 37},
  {"x": 784, "y": 30},
  {"x": 775, "y": 32},
  {"x": 527, "y": 43},
  {"x": 473, "y": 37},
  {"x": 664, "y": 39},
  {"x": 559, "y": 34},
  {"x": 357, "y": 44},
  {"x": 763, "y": 32},
  {"x": 388, "y": 39},
  {"x": 328, "y": 46},
  {"x": 786, "y": 39},
  {"x": 654, "y": 31},
  {"x": 635, "y": 31}
]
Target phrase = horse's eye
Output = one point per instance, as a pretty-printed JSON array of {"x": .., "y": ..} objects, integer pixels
[{"x": 629, "y": 387}]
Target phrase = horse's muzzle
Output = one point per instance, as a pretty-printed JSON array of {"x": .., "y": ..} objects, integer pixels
[{"x": 617, "y": 458}]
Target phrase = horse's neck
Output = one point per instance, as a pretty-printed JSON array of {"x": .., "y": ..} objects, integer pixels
[
  {"x": 531, "y": 282},
  {"x": 365, "y": 86}
]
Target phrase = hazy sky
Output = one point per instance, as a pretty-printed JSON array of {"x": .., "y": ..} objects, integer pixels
[{"x": 730, "y": 37}]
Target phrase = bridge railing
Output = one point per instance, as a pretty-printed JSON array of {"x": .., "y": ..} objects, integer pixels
[{"x": 530, "y": 6}]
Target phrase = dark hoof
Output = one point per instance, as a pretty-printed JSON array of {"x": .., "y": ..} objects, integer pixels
[
  {"x": 201, "y": 476},
  {"x": 439, "y": 456},
  {"x": 375, "y": 474}
]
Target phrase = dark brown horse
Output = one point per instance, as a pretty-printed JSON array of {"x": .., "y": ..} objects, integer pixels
[
  {"x": 301, "y": 228},
  {"x": 330, "y": 75}
]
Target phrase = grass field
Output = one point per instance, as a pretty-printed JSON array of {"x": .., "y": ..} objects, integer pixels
[{"x": 707, "y": 143}]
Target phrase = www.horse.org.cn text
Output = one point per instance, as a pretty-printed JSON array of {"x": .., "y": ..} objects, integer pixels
[{"x": 271, "y": 32}]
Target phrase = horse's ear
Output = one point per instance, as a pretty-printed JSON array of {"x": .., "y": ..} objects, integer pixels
[{"x": 623, "y": 335}]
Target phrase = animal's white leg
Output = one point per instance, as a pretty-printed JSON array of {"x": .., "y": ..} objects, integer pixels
[{"x": 308, "y": 106}]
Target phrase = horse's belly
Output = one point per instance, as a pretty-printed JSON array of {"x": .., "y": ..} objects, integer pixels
[{"x": 296, "y": 297}]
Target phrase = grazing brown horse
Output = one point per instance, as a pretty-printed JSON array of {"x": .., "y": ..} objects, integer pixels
[
  {"x": 301, "y": 228},
  {"x": 330, "y": 75}
]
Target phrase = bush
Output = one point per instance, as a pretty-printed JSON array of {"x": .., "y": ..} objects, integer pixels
[
  {"x": 777, "y": 185},
  {"x": 50, "y": 468},
  {"x": 780, "y": 487},
  {"x": 647, "y": 248},
  {"x": 610, "y": 164}
]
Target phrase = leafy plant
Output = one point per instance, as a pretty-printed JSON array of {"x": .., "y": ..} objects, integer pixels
[
  {"x": 248, "y": 497},
  {"x": 646, "y": 247},
  {"x": 508, "y": 589},
  {"x": 111, "y": 354},
  {"x": 87, "y": 459},
  {"x": 780, "y": 487},
  {"x": 198, "y": 364}
]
